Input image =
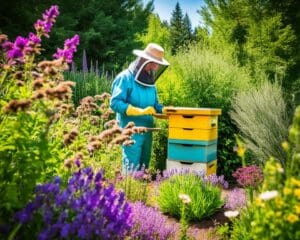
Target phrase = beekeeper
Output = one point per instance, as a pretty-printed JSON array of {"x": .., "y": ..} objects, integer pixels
[{"x": 134, "y": 98}]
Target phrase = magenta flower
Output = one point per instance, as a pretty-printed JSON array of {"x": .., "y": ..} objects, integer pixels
[
  {"x": 70, "y": 47},
  {"x": 34, "y": 39},
  {"x": 17, "y": 49},
  {"x": 250, "y": 176},
  {"x": 44, "y": 26}
]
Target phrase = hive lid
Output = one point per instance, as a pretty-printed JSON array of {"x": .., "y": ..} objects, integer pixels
[{"x": 192, "y": 111}]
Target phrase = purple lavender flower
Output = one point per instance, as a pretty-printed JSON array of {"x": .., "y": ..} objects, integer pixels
[
  {"x": 43, "y": 27},
  {"x": 250, "y": 176},
  {"x": 236, "y": 199},
  {"x": 212, "y": 179},
  {"x": 69, "y": 49},
  {"x": 86, "y": 209},
  {"x": 149, "y": 223}
]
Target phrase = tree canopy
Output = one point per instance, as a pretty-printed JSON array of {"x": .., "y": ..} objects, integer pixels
[{"x": 107, "y": 28}]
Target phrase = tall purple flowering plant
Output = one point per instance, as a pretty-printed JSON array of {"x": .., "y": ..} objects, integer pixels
[{"x": 87, "y": 208}]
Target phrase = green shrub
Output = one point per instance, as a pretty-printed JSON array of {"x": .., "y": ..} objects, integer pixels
[
  {"x": 87, "y": 84},
  {"x": 261, "y": 116},
  {"x": 160, "y": 146},
  {"x": 205, "y": 198}
]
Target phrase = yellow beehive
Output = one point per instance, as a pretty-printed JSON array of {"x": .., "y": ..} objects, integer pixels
[
  {"x": 199, "y": 124},
  {"x": 193, "y": 134},
  {"x": 193, "y": 121}
]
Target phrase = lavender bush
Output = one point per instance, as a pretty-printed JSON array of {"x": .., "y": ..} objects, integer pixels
[
  {"x": 87, "y": 208},
  {"x": 149, "y": 224}
]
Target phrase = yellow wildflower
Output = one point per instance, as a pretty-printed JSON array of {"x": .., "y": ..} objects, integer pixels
[
  {"x": 297, "y": 209},
  {"x": 279, "y": 168},
  {"x": 279, "y": 202},
  {"x": 292, "y": 218},
  {"x": 259, "y": 202},
  {"x": 287, "y": 191},
  {"x": 278, "y": 214},
  {"x": 285, "y": 145},
  {"x": 297, "y": 193},
  {"x": 295, "y": 182},
  {"x": 241, "y": 151}
]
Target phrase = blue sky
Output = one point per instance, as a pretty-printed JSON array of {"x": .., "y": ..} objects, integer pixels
[{"x": 164, "y": 9}]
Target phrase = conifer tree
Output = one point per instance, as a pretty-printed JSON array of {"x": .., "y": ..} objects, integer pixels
[{"x": 176, "y": 28}]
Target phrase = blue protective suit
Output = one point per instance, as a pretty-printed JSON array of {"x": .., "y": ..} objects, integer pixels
[{"x": 125, "y": 91}]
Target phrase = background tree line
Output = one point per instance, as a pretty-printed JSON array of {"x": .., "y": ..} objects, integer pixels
[{"x": 106, "y": 28}]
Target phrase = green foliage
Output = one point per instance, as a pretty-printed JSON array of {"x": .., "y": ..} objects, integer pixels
[
  {"x": 106, "y": 28},
  {"x": 160, "y": 144},
  {"x": 205, "y": 198},
  {"x": 280, "y": 213},
  {"x": 275, "y": 213},
  {"x": 134, "y": 189},
  {"x": 261, "y": 116},
  {"x": 255, "y": 34},
  {"x": 223, "y": 231},
  {"x": 156, "y": 32},
  {"x": 87, "y": 84},
  {"x": 180, "y": 29}
]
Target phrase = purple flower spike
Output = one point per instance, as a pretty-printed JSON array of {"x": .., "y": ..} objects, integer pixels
[
  {"x": 149, "y": 223},
  {"x": 70, "y": 47},
  {"x": 81, "y": 210},
  {"x": 34, "y": 39},
  {"x": 17, "y": 49},
  {"x": 43, "y": 27}
]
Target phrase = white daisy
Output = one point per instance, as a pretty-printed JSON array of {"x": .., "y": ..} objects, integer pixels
[
  {"x": 268, "y": 195},
  {"x": 231, "y": 214}
]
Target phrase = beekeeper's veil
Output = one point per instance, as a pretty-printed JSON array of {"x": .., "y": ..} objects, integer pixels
[{"x": 149, "y": 65}]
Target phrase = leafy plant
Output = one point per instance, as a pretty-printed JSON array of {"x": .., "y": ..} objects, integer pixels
[
  {"x": 205, "y": 198},
  {"x": 87, "y": 84},
  {"x": 279, "y": 201}
]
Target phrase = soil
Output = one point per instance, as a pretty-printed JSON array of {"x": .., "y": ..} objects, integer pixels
[{"x": 203, "y": 230}]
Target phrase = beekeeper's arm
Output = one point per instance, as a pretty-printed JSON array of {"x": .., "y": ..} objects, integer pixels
[{"x": 157, "y": 106}]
